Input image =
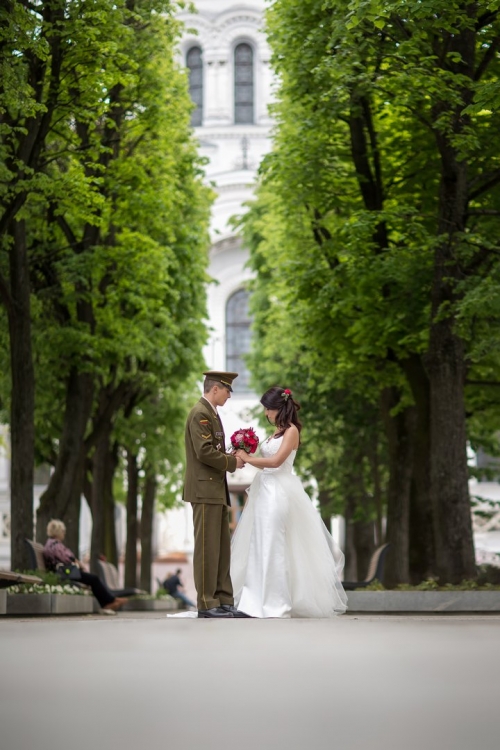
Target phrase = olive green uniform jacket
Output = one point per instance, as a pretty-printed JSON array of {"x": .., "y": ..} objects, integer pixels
[
  {"x": 205, "y": 487},
  {"x": 206, "y": 459}
]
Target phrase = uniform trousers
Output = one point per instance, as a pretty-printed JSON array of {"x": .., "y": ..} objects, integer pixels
[{"x": 212, "y": 555}]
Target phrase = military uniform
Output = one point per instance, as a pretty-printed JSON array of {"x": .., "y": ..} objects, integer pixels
[{"x": 206, "y": 489}]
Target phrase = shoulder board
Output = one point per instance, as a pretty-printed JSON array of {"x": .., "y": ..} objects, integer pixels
[{"x": 203, "y": 421}]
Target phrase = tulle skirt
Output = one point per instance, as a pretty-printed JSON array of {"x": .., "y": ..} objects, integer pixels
[{"x": 284, "y": 562}]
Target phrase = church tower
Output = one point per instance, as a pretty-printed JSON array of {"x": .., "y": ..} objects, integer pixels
[{"x": 227, "y": 56}]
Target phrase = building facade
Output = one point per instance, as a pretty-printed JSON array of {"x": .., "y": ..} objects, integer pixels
[{"x": 227, "y": 57}]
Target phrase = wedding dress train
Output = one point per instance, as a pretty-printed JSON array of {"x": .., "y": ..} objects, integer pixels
[{"x": 284, "y": 562}]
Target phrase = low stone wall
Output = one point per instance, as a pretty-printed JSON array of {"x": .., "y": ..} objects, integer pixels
[
  {"x": 67, "y": 604},
  {"x": 423, "y": 601},
  {"x": 28, "y": 604},
  {"x": 3, "y": 601},
  {"x": 47, "y": 604},
  {"x": 165, "y": 604}
]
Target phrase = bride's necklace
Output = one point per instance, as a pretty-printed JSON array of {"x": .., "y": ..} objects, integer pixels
[{"x": 272, "y": 437}]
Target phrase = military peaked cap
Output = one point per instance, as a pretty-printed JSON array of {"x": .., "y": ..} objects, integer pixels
[{"x": 224, "y": 378}]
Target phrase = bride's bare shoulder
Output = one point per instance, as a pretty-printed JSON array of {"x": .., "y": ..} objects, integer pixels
[{"x": 292, "y": 436}]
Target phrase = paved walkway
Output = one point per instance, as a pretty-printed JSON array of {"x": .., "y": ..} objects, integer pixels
[{"x": 137, "y": 682}]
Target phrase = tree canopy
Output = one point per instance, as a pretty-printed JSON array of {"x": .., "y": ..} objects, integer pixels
[
  {"x": 375, "y": 241},
  {"x": 105, "y": 237}
]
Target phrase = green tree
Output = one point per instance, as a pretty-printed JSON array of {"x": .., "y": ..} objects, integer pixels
[
  {"x": 377, "y": 224},
  {"x": 43, "y": 46},
  {"x": 105, "y": 220},
  {"x": 131, "y": 283}
]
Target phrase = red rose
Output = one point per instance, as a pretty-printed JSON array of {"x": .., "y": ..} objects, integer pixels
[{"x": 245, "y": 439}]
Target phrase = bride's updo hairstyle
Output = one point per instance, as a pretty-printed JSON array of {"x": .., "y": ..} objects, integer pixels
[{"x": 281, "y": 400}]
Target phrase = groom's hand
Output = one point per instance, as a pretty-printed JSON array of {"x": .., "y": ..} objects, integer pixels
[{"x": 239, "y": 463}]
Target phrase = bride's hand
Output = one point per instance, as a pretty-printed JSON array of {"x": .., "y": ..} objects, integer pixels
[{"x": 242, "y": 454}]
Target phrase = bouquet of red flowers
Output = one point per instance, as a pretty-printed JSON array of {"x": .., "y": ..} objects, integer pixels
[{"x": 245, "y": 439}]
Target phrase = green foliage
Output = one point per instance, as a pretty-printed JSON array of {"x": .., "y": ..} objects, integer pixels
[
  {"x": 48, "y": 577},
  {"x": 117, "y": 216},
  {"x": 375, "y": 585},
  {"x": 348, "y": 222},
  {"x": 429, "y": 585},
  {"x": 432, "y": 585}
]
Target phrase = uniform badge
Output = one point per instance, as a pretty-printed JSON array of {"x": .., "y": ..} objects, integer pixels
[{"x": 203, "y": 421}]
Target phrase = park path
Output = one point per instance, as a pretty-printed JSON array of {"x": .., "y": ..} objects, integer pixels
[{"x": 150, "y": 683}]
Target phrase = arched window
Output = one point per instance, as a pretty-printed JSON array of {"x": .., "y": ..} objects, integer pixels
[
  {"x": 238, "y": 336},
  {"x": 194, "y": 63},
  {"x": 243, "y": 84}
]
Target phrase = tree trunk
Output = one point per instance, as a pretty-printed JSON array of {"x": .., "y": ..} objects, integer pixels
[
  {"x": 422, "y": 547},
  {"x": 110, "y": 545},
  {"x": 373, "y": 457},
  {"x": 22, "y": 430},
  {"x": 400, "y": 428},
  {"x": 62, "y": 496},
  {"x": 364, "y": 542},
  {"x": 359, "y": 531},
  {"x": 445, "y": 360},
  {"x": 131, "y": 544},
  {"x": 100, "y": 470},
  {"x": 351, "y": 565},
  {"x": 71, "y": 517},
  {"x": 147, "y": 516},
  {"x": 449, "y": 473},
  {"x": 324, "y": 502}
]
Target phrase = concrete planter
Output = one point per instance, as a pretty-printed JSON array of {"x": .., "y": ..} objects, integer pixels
[
  {"x": 45, "y": 604},
  {"x": 423, "y": 601},
  {"x": 165, "y": 605},
  {"x": 71, "y": 604},
  {"x": 150, "y": 605},
  {"x": 28, "y": 604}
]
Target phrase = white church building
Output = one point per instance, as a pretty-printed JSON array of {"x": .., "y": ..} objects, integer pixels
[{"x": 230, "y": 81}]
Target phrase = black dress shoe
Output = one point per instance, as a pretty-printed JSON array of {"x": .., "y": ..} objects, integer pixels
[
  {"x": 214, "y": 612},
  {"x": 235, "y": 612}
]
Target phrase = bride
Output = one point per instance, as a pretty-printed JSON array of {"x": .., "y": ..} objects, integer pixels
[{"x": 284, "y": 562}]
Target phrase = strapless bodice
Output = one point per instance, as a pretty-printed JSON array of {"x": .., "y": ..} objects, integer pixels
[{"x": 271, "y": 446}]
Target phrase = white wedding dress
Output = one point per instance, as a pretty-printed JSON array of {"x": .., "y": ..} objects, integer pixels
[{"x": 284, "y": 562}]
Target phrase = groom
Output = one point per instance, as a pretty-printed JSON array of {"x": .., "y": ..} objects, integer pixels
[{"x": 206, "y": 489}]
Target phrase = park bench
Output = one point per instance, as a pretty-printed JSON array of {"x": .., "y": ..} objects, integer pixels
[
  {"x": 375, "y": 570},
  {"x": 10, "y": 578},
  {"x": 37, "y": 561},
  {"x": 108, "y": 574},
  {"x": 35, "y": 553}
]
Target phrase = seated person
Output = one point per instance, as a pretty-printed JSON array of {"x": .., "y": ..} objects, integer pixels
[
  {"x": 172, "y": 584},
  {"x": 56, "y": 552}
]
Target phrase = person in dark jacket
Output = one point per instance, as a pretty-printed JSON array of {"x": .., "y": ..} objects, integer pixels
[{"x": 173, "y": 585}]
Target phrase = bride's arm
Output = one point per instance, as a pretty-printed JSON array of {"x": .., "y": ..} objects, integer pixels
[{"x": 289, "y": 443}]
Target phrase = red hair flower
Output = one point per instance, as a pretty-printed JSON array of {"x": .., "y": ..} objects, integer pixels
[{"x": 286, "y": 394}]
